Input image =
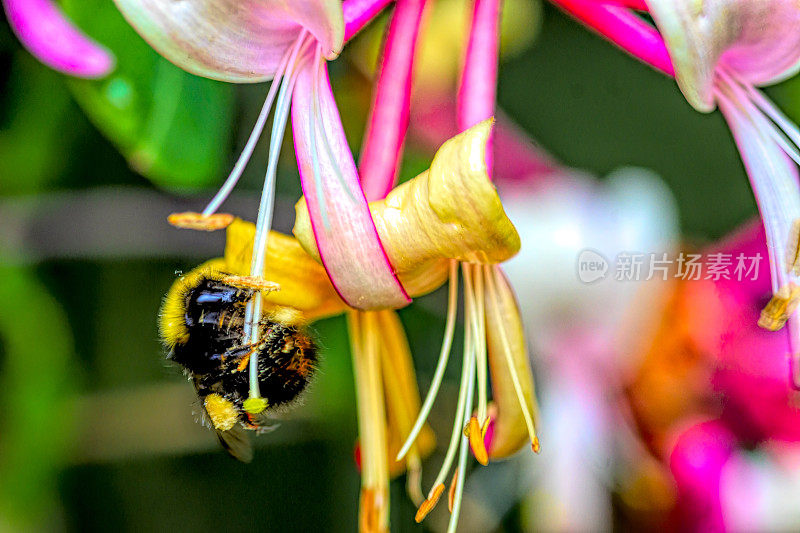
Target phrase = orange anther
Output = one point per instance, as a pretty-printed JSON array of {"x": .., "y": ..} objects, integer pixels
[
  {"x": 476, "y": 442},
  {"x": 428, "y": 505},
  {"x": 199, "y": 221},
  {"x": 535, "y": 446},
  {"x": 251, "y": 282},
  {"x": 451, "y": 494}
]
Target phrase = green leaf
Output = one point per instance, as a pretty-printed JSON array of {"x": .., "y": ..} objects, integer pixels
[{"x": 171, "y": 126}]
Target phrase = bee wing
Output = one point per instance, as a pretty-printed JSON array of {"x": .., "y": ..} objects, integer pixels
[{"x": 236, "y": 442}]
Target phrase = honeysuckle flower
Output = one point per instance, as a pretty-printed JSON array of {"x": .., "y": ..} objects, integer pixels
[
  {"x": 55, "y": 41},
  {"x": 425, "y": 228},
  {"x": 288, "y": 43},
  {"x": 447, "y": 214},
  {"x": 719, "y": 52}
]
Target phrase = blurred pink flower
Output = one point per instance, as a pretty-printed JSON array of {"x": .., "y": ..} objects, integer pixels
[
  {"x": 719, "y": 55},
  {"x": 749, "y": 408},
  {"x": 55, "y": 41}
]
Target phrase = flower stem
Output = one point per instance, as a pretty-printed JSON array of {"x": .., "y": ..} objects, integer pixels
[
  {"x": 623, "y": 28},
  {"x": 388, "y": 119}
]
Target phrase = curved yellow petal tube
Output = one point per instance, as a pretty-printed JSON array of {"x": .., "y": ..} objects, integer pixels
[{"x": 451, "y": 211}]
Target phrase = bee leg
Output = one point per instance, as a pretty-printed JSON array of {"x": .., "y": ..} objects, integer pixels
[{"x": 244, "y": 359}]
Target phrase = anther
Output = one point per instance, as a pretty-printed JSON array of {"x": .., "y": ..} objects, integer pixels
[
  {"x": 255, "y": 405},
  {"x": 485, "y": 426},
  {"x": 535, "y": 446},
  {"x": 476, "y": 442},
  {"x": 451, "y": 494},
  {"x": 428, "y": 505},
  {"x": 780, "y": 307},
  {"x": 199, "y": 221},
  {"x": 251, "y": 282},
  {"x": 793, "y": 250}
]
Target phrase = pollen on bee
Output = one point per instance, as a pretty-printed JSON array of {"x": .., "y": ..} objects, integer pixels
[
  {"x": 251, "y": 282},
  {"x": 222, "y": 412},
  {"x": 199, "y": 221},
  {"x": 780, "y": 307},
  {"x": 428, "y": 505}
]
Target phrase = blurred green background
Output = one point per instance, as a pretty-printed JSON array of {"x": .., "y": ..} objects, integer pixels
[{"x": 97, "y": 431}]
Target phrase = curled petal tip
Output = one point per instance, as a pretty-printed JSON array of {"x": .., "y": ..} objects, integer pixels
[{"x": 50, "y": 36}]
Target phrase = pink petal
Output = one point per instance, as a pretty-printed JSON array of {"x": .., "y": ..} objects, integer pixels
[
  {"x": 237, "y": 41},
  {"x": 388, "y": 120},
  {"x": 346, "y": 237},
  {"x": 358, "y": 13},
  {"x": 696, "y": 461},
  {"x": 478, "y": 87},
  {"x": 55, "y": 41},
  {"x": 476, "y": 95}
]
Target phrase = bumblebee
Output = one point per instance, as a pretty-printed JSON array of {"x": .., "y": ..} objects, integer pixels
[{"x": 202, "y": 326}]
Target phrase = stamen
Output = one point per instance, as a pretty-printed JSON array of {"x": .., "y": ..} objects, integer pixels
[
  {"x": 491, "y": 277},
  {"x": 264, "y": 222},
  {"x": 247, "y": 152},
  {"x": 476, "y": 442},
  {"x": 780, "y": 307},
  {"x": 481, "y": 359},
  {"x": 200, "y": 222},
  {"x": 252, "y": 283},
  {"x": 793, "y": 249},
  {"x": 451, "y": 494},
  {"x": 464, "y": 402},
  {"x": 414, "y": 479},
  {"x": 444, "y": 354},
  {"x": 773, "y": 112},
  {"x": 462, "y": 452},
  {"x": 428, "y": 505}
]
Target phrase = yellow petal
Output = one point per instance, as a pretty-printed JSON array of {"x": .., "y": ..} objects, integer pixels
[
  {"x": 402, "y": 393},
  {"x": 303, "y": 282},
  {"x": 504, "y": 330},
  {"x": 451, "y": 211}
]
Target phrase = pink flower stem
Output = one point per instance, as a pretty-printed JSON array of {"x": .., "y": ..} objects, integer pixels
[
  {"x": 623, "y": 28},
  {"x": 639, "y": 5},
  {"x": 388, "y": 120},
  {"x": 358, "y": 13},
  {"x": 478, "y": 88}
]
